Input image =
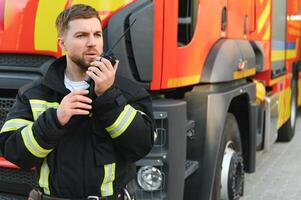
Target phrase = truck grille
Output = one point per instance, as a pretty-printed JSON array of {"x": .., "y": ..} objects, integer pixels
[
  {"x": 16, "y": 176},
  {"x": 5, "y": 196},
  {"x": 16, "y": 181},
  {"x": 24, "y": 60},
  {"x": 5, "y": 105}
]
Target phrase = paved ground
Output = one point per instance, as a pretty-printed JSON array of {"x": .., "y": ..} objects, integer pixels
[{"x": 278, "y": 172}]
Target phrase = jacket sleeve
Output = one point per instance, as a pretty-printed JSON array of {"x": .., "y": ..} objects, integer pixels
[
  {"x": 26, "y": 142},
  {"x": 130, "y": 124}
]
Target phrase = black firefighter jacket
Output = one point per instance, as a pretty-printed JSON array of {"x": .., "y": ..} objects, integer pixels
[{"x": 90, "y": 155}]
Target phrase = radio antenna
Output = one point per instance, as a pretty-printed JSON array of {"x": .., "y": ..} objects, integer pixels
[{"x": 125, "y": 32}]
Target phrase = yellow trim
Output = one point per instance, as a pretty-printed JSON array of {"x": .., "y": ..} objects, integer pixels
[
  {"x": 284, "y": 106},
  {"x": 44, "y": 177},
  {"x": 32, "y": 145},
  {"x": 14, "y": 124},
  {"x": 276, "y": 80},
  {"x": 264, "y": 16},
  {"x": 292, "y": 53},
  {"x": 120, "y": 117},
  {"x": 267, "y": 33},
  {"x": 102, "y": 4},
  {"x": 125, "y": 126},
  {"x": 45, "y": 35},
  {"x": 106, "y": 188},
  {"x": 244, "y": 73},
  {"x": 278, "y": 55},
  {"x": 40, "y": 106},
  {"x": 42, "y": 102},
  {"x": 299, "y": 92},
  {"x": 260, "y": 91},
  {"x": 123, "y": 121},
  {"x": 182, "y": 81}
]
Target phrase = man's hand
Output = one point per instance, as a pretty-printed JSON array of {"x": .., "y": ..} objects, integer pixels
[
  {"x": 75, "y": 103},
  {"x": 103, "y": 74}
]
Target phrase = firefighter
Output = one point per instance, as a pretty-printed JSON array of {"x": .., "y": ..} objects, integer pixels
[{"x": 82, "y": 138}]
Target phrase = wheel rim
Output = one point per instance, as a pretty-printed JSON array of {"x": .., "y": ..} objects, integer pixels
[{"x": 232, "y": 175}]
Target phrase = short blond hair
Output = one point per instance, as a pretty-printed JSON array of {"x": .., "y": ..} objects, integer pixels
[{"x": 78, "y": 11}]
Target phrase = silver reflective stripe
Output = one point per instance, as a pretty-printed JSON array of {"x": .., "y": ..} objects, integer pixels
[
  {"x": 40, "y": 106},
  {"x": 142, "y": 113},
  {"x": 44, "y": 177},
  {"x": 32, "y": 145},
  {"x": 106, "y": 188},
  {"x": 14, "y": 124},
  {"x": 36, "y": 103},
  {"x": 123, "y": 121}
]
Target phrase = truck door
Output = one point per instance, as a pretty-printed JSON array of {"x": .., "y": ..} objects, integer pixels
[{"x": 278, "y": 38}]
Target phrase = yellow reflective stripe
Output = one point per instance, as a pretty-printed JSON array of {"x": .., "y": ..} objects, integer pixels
[
  {"x": 264, "y": 16},
  {"x": 32, "y": 145},
  {"x": 106, "y": 188},
  {"x": 292, "y": 53},
  {"x": 267, "y": 33},
  {"x": 121, "y": 116},
  {"x": 125, "y": 126},
  {"x": 183, "y": 81},
  {"x": 14, "y": 124},
  {"x": 40, "y": 106},
  {"x": 122, "y": 122},
  {"x": 284, "y": 106},
  {"x": 44, "y": 176},
  {"x": 101, "y": 5},
  {"x": 45, "y": 34}
]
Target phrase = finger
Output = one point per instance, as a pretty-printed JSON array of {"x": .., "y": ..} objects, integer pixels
[
  {"x": 78, "y": 92},
  {"x": 102, "y": 67},
  {"x": 108, "y": 64},
  {"x": 96, "y": 71},
  {"x": 97, "y": 59},
  {"x": 80, "y": 98},
  {"x": 93, "y": 76},
  {"x": 79, "y": 112},
  {"x": 116, "y": 65},
  {"x": 80, "y": 105}
]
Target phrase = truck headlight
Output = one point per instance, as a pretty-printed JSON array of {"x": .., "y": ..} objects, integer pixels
[{"x": 149, "y": 178}]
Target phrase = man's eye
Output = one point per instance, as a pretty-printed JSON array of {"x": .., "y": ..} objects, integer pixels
[
  {"x": 98, "y": 35},
  {"x": 79, "y": 36}
]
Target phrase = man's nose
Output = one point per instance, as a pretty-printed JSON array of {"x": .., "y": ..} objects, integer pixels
[{"x": 91, "y": 41}]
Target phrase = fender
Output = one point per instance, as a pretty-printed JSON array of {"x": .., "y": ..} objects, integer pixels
[
  {"x": 228, "y": 57},
  {"x": 208, "y": 106}
]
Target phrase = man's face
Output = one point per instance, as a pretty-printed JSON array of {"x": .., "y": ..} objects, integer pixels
[{"x": 82, "y": 42}]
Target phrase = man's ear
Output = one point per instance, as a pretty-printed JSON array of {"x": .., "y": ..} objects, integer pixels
[{"x": 62, "y": 43}]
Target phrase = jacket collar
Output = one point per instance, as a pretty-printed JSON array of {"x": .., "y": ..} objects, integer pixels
[{"x": 54, "y": 78}]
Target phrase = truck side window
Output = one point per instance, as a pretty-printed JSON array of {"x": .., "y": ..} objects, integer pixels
[{"x": 186, "y": 20}]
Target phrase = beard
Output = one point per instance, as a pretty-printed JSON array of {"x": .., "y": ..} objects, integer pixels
[{"x": 82, "y": 63}]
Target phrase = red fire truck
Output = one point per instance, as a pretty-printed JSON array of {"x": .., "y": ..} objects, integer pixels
[{"x": 223, "y": 74}]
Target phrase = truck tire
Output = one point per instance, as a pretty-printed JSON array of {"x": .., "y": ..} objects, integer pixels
[
  {"x": 287, "y": 130},
  {"x": 229, "y": 175}
]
